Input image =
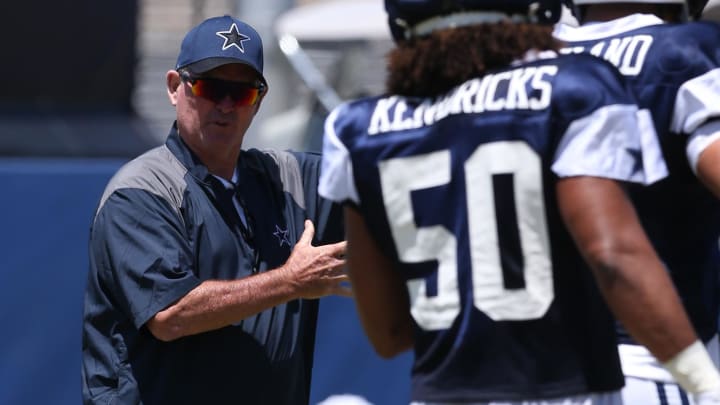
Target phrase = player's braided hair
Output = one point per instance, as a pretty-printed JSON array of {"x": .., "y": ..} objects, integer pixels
[{"x": 431, "y": 65}]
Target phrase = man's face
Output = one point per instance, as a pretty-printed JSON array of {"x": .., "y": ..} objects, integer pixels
[{"x": 212, "y": 127}]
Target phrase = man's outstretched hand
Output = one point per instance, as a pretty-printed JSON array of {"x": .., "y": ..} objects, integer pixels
[{"x": 317, "y": 271}]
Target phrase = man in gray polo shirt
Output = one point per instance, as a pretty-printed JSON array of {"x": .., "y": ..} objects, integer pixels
[{"x": 205, "y": 259}]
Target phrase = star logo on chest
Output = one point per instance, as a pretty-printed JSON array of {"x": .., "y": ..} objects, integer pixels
[
  {"x": 282, "y": 235},
  {"x": 233, "y": 37}
]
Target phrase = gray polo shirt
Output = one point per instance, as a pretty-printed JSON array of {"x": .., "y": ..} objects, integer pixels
[{"x": 159, "y": 231}]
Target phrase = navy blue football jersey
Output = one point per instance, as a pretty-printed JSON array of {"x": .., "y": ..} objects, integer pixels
[
  {"x": 459, "y": 192},
  {"x": 674, "y": 72}
]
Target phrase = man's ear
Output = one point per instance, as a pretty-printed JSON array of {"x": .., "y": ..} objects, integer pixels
[{"x": 172, "y": 82}]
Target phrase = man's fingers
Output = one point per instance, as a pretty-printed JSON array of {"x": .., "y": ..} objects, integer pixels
[
  {"x": 338, "y": 249},
  {"x": 338, "y": 266},
  {"x": 308, "y": 234}
]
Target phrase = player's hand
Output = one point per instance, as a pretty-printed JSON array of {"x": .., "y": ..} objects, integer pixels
[{"x": 317, "y": 271}]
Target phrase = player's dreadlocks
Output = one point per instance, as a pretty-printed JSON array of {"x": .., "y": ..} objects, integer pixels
[{"x": 433, "y": 64}]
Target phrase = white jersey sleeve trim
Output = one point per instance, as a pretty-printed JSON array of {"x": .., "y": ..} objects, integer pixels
[
  {"x": 336, "y": 175},
  {"x": 616, "y": 142},
  {"x": 653, "y": 161},
  {"x": 697, "y": 100},
  {"x": 700, "y": 139}
]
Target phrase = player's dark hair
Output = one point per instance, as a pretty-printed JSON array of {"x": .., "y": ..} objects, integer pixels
[{"x": 431, "y": 65}]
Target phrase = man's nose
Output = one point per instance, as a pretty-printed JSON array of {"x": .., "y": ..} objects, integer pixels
[{"x": 226, "y": 104}]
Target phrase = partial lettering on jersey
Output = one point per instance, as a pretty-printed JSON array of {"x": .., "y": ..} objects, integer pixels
[
  {"x": 506, "y": 90},
  {"x": 627, "y": 53},
  {"x": 613, "y": 41}
]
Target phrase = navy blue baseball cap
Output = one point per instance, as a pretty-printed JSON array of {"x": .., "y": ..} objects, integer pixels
[{"x": 218, "y": 41}]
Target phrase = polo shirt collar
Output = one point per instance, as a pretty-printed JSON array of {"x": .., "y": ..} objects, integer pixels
[{"x": 197, "y": 168}]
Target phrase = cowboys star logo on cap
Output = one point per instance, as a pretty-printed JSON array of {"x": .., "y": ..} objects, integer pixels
[{"x": 233, "y": 37}]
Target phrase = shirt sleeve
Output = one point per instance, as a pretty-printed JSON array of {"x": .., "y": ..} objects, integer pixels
[
  {"x": 697, "y": 101},
  {"x": 616, "y": 142},
  {"x": 700, "y": 140},
  {"x": 603, "y": 131},
  {"x": 143, "y": 256},
  {"x": 336, "y": 179}
]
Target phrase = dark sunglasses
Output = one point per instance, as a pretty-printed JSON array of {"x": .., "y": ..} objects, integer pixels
[{"x": 215, "y": 90}]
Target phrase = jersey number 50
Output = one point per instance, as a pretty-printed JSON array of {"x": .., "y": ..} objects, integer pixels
[{"x": 400, "y": 176}]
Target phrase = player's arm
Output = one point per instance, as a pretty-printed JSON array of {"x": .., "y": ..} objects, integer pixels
[
  {"x": 310, "y": 272},
  {"x": 703, "y": 152},
  {"x": 632, "y": 278},
  {"x": 634, "y": 282},
  {"x": 381, "y": 296}
]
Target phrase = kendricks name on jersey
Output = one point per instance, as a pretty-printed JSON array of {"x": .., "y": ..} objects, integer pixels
[{"x": 527, "y": 88}]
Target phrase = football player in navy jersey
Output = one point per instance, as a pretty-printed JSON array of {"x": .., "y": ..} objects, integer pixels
[
  {"x": 468, "y": 188},
  {"x": 674, "y": 70}
]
